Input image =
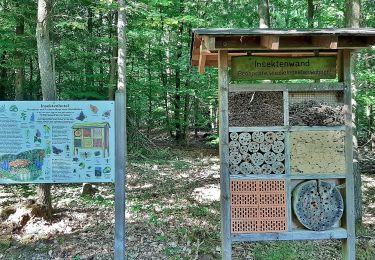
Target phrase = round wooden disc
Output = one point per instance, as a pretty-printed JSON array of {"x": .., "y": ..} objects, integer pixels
[
  {"x": 317, "y": 204},
  {"x": 278, "y": 168},
  {"x": 253, "y": 147},
  {"x": 244, "y": 149},
  {"x": 265, "y": 147},
  {"x": 235, "y": 158},
  {"x": 234, "y": 169},
  {"x": 269, "y": 157},
  {"x": 257, "y": 169},
  {"x": 246, "y": 168},
  {"x": 258, "y": 137},
  {"x": 278, "y": 146},
  {"x": 270, "y": 137},
  {"x": 233, "y": 136},
  {"x": 280, "y": 157},
  {"x": 234, "y": 144},
  {"x": 246, "y": 157},
  {"x": 244, "y": 138},
  {"x": 266, "y": 169},
  {"x": 280, "y": 136},
  {"x": 257, "y": 159}
]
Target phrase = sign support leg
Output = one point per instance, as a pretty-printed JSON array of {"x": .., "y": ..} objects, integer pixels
[{"x": 120, "y": 175}]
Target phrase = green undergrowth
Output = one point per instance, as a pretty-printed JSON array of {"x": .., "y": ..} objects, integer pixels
[
  {"x": 283, "y": 250},
  {"x": 96, "y": 200}
]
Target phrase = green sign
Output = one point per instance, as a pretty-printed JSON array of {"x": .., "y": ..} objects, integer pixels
[{"x": 252, "y": 68}]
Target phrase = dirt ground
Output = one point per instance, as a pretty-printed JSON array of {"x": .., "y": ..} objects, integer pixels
[{"x": 173, "y": 212}]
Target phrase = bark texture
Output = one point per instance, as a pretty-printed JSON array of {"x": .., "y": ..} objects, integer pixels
[
  {"x": 47, "y": 77},
  {"x": 264, "y": 14}
]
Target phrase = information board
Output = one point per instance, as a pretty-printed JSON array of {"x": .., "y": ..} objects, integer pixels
[
  {"x": 258, "y": 68},
  {"x": 57, "y": 141}
]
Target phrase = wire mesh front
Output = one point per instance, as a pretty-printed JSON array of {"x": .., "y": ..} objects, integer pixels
[
  {"x": 258, "y": 206},
  {"x": 328, "y": 97}
]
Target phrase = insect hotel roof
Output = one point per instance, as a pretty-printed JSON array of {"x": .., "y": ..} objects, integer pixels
[{"x": 271, "y": 42}]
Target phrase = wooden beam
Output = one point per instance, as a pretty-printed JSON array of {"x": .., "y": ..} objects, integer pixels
[
  {"x": 298, "y": 234},
  {"x": 237, "y": 42},
  {"x": 352, "y": 42},
  {"x": 292, "y": 54},
  {"x": 226, "y": 242},
  {"x": 349, "y": 219},
  {"x": 325, "y": 42},
  {"x": 270, "y": 42},
  {"x": 202, "y": 60}
]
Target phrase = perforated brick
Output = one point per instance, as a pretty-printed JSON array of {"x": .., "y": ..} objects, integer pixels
[
  {"x": 258, "y": 206},
  {"x": 243, "y": 186},
  {"x": 271, "y": 185}
]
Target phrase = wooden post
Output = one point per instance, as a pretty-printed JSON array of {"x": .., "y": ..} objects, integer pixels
[
  {"x": 120, "y": 174},
  {"x": 349, "y": 220},
  {"x": 226, "y": 243}
]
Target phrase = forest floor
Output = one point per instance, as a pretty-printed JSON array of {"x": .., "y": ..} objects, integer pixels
[{"x": 173, "y": 212}]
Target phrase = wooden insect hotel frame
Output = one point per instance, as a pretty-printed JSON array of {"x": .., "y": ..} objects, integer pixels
[
  {"x": 286, "y": 147},
  {"x": 91, "y": 136}
]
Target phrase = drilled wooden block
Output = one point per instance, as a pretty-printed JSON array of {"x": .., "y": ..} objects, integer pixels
[
  {"x": 258, "y": 206},
  {"x": 317, "y": 204},
  {"x": 317, "y": 152}
]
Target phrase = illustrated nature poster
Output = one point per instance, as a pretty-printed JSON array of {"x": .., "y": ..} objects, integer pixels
[{"x": 57, "y": 141}]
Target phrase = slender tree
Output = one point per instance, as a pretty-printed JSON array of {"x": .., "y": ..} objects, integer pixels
[
  {"x": 310, "y": 13},
  {"x": 352, "y": 14},
  {"x": 264, "y": 14},
  {"x": 20, "y": 62},
  {"x": 47, "y": 77}
]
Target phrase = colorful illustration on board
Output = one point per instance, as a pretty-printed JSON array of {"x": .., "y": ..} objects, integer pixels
[
  {"x": 56, "y": 141},
  {"x": 25, "y": 166},
  {"x": 94, "y": 109},
  {"x": 81, "y": 116},
  {"x": 88, "y": 136}
]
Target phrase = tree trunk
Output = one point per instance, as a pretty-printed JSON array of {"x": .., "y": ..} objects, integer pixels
[
  {"x": 196, "y": 112},
  {"x": 89, "y": 67},
  {"x": 3, "y": 76},
  {"x": 113, "y": 62},
  {"x": 47, "y": 77},
  {"x": 177, "y": 95},
  {"x": 370, "y": 123},
  {"x": 310, "y": 13},
  {"x": 352, "y": 14},
  {"x": 264, "y": 14},
  {"x": 19, "y": 62},
  {"x": 149, "y": 120}
]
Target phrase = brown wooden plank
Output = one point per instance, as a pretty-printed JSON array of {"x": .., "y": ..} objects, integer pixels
[
  {"x": 201, "y": 63},
  {"x": 237, "y": 42},
  {"x": 270, "y": 42},
  {"x": 329, "y": 42}
]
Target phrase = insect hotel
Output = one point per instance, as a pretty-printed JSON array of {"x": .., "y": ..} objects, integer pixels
[
  {"x": 93, "y": 136},
  {"x": 286, "y": 146}
]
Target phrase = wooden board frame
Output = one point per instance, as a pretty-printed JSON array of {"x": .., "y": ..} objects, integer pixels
[{"x": 346, "y": 232}]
